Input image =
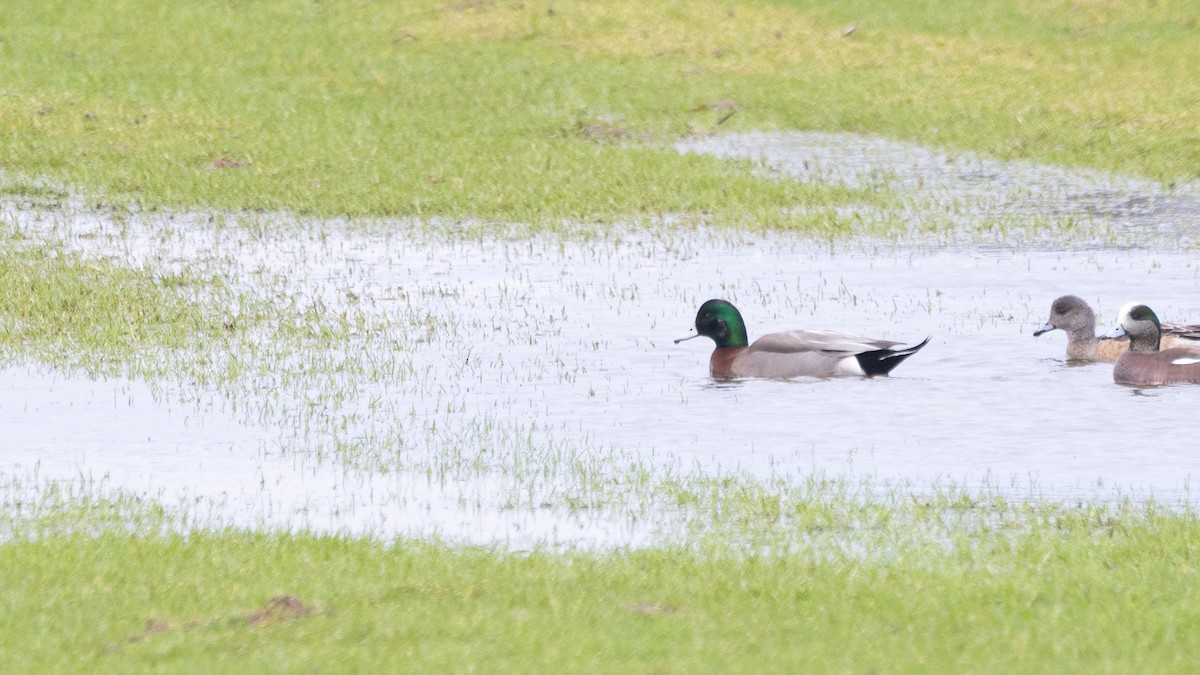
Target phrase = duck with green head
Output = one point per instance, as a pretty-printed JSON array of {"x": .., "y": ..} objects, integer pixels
[
  {"x": 795, "y": 353},
  {"x": 1145, "y": 364}
]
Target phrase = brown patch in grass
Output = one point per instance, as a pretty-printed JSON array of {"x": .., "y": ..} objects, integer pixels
[
  {"x": 153, "y": 627},
  {"x": 226, "y": 162},
  {"x": 601, "y": 131},
  {"x": 721, "y": 105},
  {"x": 651, "y": 608},
  {"x": 279, "y": 609},
  {"x": 468, "y": 5}
]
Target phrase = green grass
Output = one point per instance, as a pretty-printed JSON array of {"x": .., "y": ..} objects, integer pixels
[
  {"x": 334, "y": 110},
  {"x": 1096, "y": 590},
  {"x": 499, "y": 112},
  {"x": 541, "y": 111}
]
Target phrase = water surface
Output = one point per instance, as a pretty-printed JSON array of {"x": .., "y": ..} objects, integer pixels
[{"x": 495, "y": 383}]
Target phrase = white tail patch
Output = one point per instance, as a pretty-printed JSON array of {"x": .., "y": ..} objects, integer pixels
[
  {"x": 850, "y": 366},
  {"x": 1185, "y": 360}
]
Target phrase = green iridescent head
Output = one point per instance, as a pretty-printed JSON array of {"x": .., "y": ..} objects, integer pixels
[
  {"x": 719, "y": 320},
  {"x": 1144, "y": 313}
]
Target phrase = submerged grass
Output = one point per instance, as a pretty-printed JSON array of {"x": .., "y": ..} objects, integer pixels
[
  {"x": 97, "y": 317},
  {"x": 536, "y": 112}
]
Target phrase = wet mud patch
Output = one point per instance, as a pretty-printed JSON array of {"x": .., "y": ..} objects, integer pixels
[
  {"x": 226, "y": 162},
  {"x": 280, "y": 609},
  {"x": 602, "y": 132},
  {"x": 155, "y": 627},
  {"x": 277, "y": 610},
  {"x": 973, "y": 199}
]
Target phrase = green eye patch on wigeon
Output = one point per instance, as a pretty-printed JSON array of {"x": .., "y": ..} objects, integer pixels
[
  {"x": 1072, "y": 315},
  {"x": 1144, "y": 363},
  {"x": 795, "y": 353}
]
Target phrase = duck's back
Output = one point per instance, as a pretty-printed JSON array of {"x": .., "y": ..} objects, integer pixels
[
  {"x": 1181, "y": 340},
  {"x": 1184, "y": 332},
  {"x": 828, "y": 342}
]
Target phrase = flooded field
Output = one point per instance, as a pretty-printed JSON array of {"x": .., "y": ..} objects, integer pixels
[{"x": 528, "y": 391}]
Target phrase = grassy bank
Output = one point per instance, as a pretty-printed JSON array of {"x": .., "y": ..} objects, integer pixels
[
  {"x": 538, "y": 111},
  {"x": 1033, "y": 599}
]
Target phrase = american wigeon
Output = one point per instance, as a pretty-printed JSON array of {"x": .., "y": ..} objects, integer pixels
[
  {"x": 1075, "y": 317},
  {"x": 796, "y": 353},
  {"x": 1144, "y": 364}
]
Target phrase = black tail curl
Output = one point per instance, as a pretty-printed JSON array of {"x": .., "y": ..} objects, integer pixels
[{"x": 882, "y": 361}]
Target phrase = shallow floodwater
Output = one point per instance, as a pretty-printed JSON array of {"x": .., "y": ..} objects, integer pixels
[{"x": 500, "y": 368}]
